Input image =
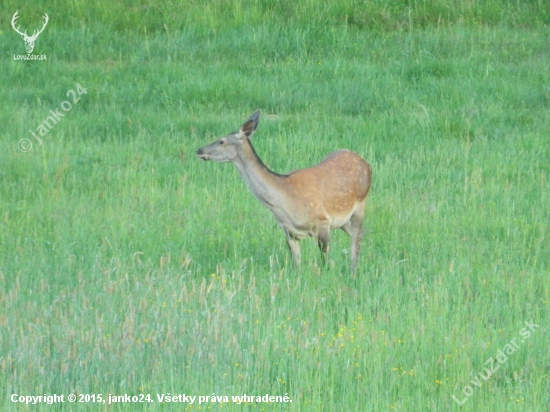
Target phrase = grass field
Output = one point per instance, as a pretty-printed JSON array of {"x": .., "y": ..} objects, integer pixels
[{"x": 128, "y": 266}]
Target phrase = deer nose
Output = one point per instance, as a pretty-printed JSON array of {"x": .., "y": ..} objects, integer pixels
[{"x": 201, "y": 155}]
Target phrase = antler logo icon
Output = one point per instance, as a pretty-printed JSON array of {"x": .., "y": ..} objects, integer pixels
[{"x": 29, "y": 40}]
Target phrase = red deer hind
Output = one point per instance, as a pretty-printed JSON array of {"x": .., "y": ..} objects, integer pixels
[{"x": 307, "y": 202}]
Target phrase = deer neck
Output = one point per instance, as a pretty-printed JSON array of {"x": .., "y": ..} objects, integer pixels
[{"x": 262, "y": 182}]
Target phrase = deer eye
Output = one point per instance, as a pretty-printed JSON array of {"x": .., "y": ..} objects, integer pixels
[{"x": 220, "y": 142}]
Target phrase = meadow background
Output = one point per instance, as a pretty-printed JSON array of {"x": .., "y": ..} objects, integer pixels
[{"x": 128, "y": 266}]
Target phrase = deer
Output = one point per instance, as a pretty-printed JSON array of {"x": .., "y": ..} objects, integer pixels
[
  {"x": 307, "y": 202},
  {"x": 29, "y": 40}
]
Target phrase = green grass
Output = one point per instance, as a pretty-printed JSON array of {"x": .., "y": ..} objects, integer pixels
[{"x": 127, "y": 266}]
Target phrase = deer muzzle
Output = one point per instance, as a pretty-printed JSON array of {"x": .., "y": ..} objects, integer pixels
[{"x": 202, "y": 155}]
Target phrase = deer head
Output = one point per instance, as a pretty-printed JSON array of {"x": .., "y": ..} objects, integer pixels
[
  {"x": 229, "y": 148},
  {"x": 29, "y": 40}
]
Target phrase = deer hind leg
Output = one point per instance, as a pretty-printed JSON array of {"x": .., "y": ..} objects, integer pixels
[
  {"x": 354, "y": 228},
  {"x": 294, "y": 246},
  {"x": 323, "y": 238}
]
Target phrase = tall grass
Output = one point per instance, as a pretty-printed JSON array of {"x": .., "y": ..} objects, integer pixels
[
  {"x": 129, "y": 267},
  {"x": 376, "y": 15}
]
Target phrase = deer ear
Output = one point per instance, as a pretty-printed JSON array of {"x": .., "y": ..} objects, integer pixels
[{"x": 250, "y": 125}]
